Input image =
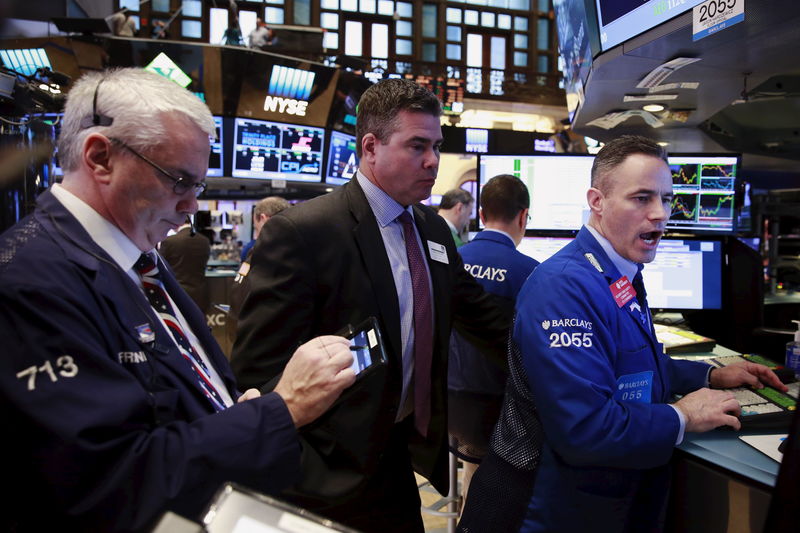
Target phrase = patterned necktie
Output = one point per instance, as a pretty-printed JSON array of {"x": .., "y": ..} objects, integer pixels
[
  {"x": 157, "y": 296},
  {"x": 423, "y": 326},
  {"x": 638, "y": 286},
  {"x": 641, "y": 296}
]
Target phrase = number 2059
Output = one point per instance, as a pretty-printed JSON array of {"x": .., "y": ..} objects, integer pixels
[{"x": 565, "y": 340}]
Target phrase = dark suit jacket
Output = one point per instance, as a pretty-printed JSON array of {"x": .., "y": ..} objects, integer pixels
[
  {"x": 323, "y": 265},
  {"x": 118, "y": 429},
  {"x": 187, "y": 254}
]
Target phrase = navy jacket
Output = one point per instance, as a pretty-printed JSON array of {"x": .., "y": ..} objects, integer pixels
[
  {"x": 493, "y": 260},
  {"x": 104, "y": 430}
]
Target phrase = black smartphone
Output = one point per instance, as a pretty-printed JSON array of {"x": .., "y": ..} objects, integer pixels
[{"x": 366, "y": 344}]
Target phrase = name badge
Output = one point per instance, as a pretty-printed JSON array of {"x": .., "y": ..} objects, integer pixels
[
  {"x": 622, "y": 290},
  {"x": 438, "y": 252},
  {"x": 635, "y": 387}
]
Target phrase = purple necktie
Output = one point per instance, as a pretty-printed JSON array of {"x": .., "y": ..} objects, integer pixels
[
  {"x": 423, "y": 326},
  {"x": 157, "y": 296}
]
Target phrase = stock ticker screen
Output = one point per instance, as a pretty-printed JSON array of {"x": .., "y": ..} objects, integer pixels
[
  {"x": 274, "y": 150},
  {"x": 704, "y": 190}
]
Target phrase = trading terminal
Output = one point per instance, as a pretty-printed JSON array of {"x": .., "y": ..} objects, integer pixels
[{"x": 530, "y": 88}]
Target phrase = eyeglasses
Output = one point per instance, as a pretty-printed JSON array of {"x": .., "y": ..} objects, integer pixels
[{"x": 180, "y": 185}]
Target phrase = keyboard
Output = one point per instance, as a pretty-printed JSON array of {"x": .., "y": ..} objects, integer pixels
[{"x": 765, "y": 408}]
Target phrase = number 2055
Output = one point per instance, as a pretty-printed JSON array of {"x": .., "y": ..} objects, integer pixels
[
  {"x": 711, "y": 9},
  {"x": 565, "y": 340}
]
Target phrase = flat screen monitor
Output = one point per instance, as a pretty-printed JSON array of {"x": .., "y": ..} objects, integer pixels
[
  {"x": 557, "y": 185},
  {"x": 215, "y": 156},
  {"x": 274, "y": 150},
  {"x": 621, "y": 20},
  {"x": 704, "y": 187},
  {"x": 342, "y": 159},
  {"x": 686, "y": 274},
  {"x": 542, "y": 248}
]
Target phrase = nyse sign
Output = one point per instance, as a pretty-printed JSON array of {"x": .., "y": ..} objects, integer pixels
[{"x": 290, "y": 106}]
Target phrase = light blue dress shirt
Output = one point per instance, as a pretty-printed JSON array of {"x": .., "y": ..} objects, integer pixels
[{"x": 386, "y": 211}]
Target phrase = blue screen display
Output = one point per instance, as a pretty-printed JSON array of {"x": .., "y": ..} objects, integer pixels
[
  {"x": 273, "y": 150},
  {"x": 342, "y": 159}
]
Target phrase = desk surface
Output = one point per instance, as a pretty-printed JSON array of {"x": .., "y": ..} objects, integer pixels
[
  {"x": 724, "y": 448},
  {"x": 782, "y": 297}
]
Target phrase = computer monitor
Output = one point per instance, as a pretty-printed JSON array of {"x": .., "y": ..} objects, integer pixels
[
  {"x": 619, "y": 21},
  {"x": 215, "y": 156},
  {"x": 704, "y": 187},
  {"x": 557, "y": 185},
  {"x": 342, "y": 159},
  {"x": 686, "y": 274},
  {"x": 542, "y": 248},
  {"x": 274, "y": 150}
]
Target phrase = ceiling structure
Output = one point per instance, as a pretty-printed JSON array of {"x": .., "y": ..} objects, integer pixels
[{"x": 747, "y": 100}]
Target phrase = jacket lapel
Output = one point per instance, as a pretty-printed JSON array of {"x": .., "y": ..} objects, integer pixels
[{"x": 369, "y": 241}]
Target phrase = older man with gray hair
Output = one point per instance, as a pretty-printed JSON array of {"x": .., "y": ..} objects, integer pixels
[{"x": 122, "y": 404}]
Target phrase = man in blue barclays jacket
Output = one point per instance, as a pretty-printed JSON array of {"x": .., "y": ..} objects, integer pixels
[
  {"x": 119, "y": 406},
  {"x": 589, "y": 413},
  {"x": 476, "y": 384}
]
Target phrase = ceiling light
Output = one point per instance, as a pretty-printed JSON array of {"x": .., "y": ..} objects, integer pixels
[
  {"x": 653, "y": 108},
  {"x": 662, "y": 143}
]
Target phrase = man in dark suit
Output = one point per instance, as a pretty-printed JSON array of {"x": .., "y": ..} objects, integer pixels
[
  {"x": 370, "y": 249},
  {"x": 120, "y": 402},
  {"x": 187, "y": 253}
]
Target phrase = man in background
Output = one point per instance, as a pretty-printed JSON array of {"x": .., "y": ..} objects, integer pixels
[
  {"x": 370, "y": 249},
  {"x": 475, "y": 383},
  {"x": 121, "y": 402},
  {"x": 261, "y": 37},
  {"x": 456, "y": 209},
  {"x": 187, "y": 252},
  {"x": 122, "y": 23},
  {"x": 265, "y": 209}
]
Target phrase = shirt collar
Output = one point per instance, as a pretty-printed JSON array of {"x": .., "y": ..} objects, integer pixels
[
  {"x": 105, "y": 234},
  {"x": 626, "y": 267},
  {"x": 384, "y": 207},
  {"x": 500, "y": 232}
]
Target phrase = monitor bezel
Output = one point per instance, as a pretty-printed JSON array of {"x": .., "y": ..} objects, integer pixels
[
  {"x": 480, "y": 183},
  {"x": 705, "y": 231},
  {"x": 329, "y": 147}
]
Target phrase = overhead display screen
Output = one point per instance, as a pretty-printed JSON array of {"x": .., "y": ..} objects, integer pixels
[
  {"x": 703, "y": 189},
  {"x": 273, "y": 150},
  {"x": 557, "y": 185},
  {"x": 619, "y": 20},
  {"x": 342, "y": 159}
]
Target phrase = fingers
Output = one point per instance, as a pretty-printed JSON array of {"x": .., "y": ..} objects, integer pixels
[
  {"x": 748, "y": 378},
  {"x": 733, "y": 422},
  {"x": 769, "y": 378},
  {"x": 249, "y": 394},
  {"x": 330, "y": 340},
  {"x": 731, "y": 406}
]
